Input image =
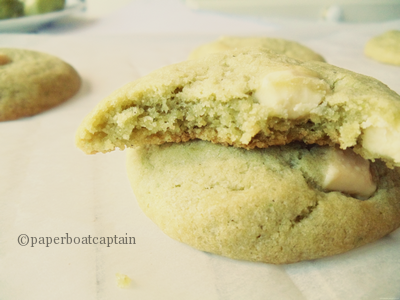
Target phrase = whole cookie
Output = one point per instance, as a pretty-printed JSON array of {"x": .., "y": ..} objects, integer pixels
[
  {"x": 385, "y": 48},
  {"x": 290, "y": 48},
  {"x": 265, "y": 205},
  {"x": 32, "y": 82},
  {"x": 249, "y": 98}
]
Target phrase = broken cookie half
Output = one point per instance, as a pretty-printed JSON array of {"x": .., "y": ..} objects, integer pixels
[{"x": 250, "y": 98}]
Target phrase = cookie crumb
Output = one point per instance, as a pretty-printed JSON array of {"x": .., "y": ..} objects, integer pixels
[{"x": 123, "y": 281}]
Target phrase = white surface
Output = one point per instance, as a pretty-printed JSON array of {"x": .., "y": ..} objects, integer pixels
[
  {"x": 49, "y": 188},
  {"x": 348, "y": 10},
  {"x": 32, "y": 23},
  {"x": 100, "y": 8},
  {"x": 162, "y": 17}
]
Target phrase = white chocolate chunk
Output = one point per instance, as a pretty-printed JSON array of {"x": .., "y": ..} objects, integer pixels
[
  {"x": 349, "y": 173},
  {"x": 291, "y": 93},
  {"x": 384, "y": 142}
]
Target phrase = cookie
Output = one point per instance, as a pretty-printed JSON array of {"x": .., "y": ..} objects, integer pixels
[
  {"x": 385, "y": 48},
  {"x": 32, "y": 82},
  {"x": 270, "y": 205},
  {"x": 282, "y": 46},
  {"x": 249, "y": 99}
]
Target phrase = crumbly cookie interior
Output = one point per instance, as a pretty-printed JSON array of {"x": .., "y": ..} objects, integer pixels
[{"x": 218, "y": 99}]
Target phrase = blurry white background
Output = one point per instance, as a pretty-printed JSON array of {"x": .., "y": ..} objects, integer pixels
[{"x": 330, "y": 10}]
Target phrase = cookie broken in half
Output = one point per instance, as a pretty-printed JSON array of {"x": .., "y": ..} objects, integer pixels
[{"x": 250, "y": 99}]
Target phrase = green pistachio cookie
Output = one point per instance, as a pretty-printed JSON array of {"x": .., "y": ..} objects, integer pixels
[
  {"x": 385, "y": 48},
  {"x": 282, "y": 46},
  {"x": 32, "y": 82},
  {"x": 277, "y": 205},
  {"x": 251, "y": 99}
]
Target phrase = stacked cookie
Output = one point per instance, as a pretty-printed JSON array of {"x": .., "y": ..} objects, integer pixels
[{"x": 255, "y": 155}]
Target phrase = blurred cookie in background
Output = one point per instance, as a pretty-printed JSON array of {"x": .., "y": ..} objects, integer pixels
[
  {"x": 32, "y": 82},
  {"x": 385, "y": 48},
  {"x": 281, "y": 46}
]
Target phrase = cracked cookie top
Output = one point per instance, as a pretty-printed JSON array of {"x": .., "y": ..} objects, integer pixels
[
  {"x": 282, "y": 204},
  {"x": 286, "y": 47},
  {"x": 249, "y": 98}
]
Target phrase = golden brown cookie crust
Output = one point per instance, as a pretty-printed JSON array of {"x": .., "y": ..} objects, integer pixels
[
  {"x": 258, "y": 205},
  {"x": 32, "y": 82}
]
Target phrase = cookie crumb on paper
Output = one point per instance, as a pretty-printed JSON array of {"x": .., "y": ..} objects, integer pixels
[{"x": 123, "y": 281}]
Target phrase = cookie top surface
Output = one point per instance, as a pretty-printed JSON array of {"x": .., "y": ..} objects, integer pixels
[
  {"x": 32, "y": 82},
  {"x": 249, "y": 98},
  {"x": 385, "y": 48},
  {"x": 269, "y": 205},
  {"x": 289, "y": 48}
]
